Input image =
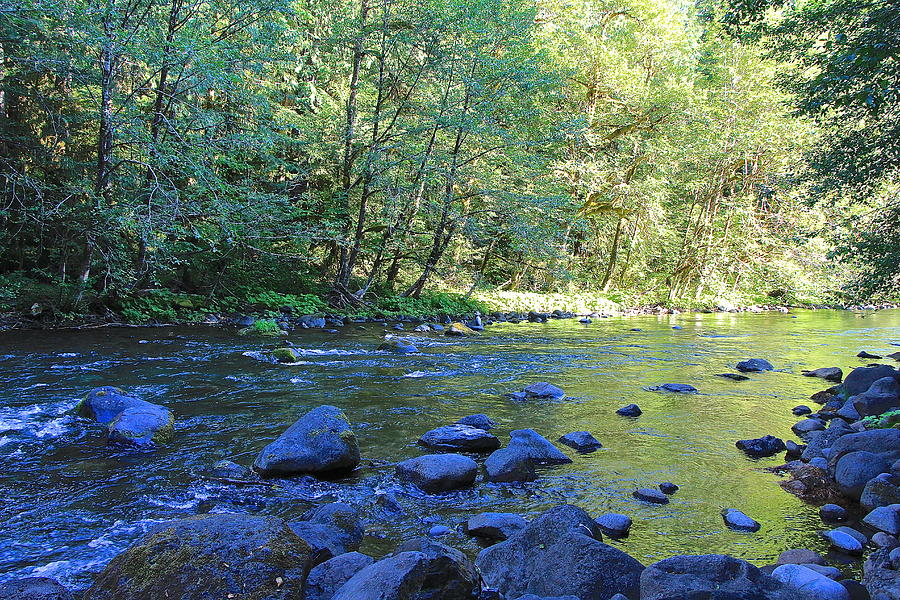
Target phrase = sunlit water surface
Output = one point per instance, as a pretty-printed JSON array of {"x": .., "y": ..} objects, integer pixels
[{"x": 69, "y": 503}]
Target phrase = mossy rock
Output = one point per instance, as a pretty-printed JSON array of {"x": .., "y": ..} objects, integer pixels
[
  {"x": 143, "y": 427},
  {"x": 459, "y": 330},
  {"x": 243, "y": 557},
  {"x": 285, "y": 355},
  {"x": 397, "y": 346}
]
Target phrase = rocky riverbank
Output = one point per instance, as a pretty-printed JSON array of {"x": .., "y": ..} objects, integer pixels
[{"x": 845, "y": 460}]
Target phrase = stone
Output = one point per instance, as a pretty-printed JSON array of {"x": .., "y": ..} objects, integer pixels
[
  {"x": 754, "y": 365},
  {"x": 319, "y": 442},
  {"x": 868, "y": 355},
  {"x": 794, "y": 450},
  {"x": 668, "y": 488},
  {"x": 397, "y": 346},
  {"x": 811, "y": 584},
  {"x": 142, "y": 427},
  {"x": 396, "y": 577},
  {"x": 581, "y": 441},
  {"x": 853, "y": 470},
  {"x": 801, "y": 410},
  {"x": 861, "y": 379},
  {"x": 535, "y": 447},
  {"x": 226, "y": 469},
  {"x": 733, "y": 376},
  {"x": 325, "y": 579},
  {"x": 438, "y": 472},
  {"x": 884, "y": 443},
  {"x": 807, "y": 426},
  {"x": 614, "y": 525},
  {"x": 462, "y": 438},
  {"x": 449, "y": 574},
  {"x": 880, "y": 577},
  {"x": 833, "y": 512},
  {"x": 843, "y": 542},
  {"x": 34, "y": 588},
  {"x": 800, "y": 556},
  {"x": 767, "y": 445},
  {"x": 856, "y": 590},
  {"x": 738, "y": 521},
  {"x": 285, "y": 355},
  {"x": 880, "y": 491},
  {"x": 494, "y": 526},
  {"x": 884, "y": 540},
  {"x": 311, "y": 321},
  {"x": 829, "y": 572},
  {"x": 330, "y": 530},
  {"x": 857, "y": 535},
  {"x": 543, "y": 390},
  {"x": 509, "y": 465},
  {"x": 559, "y": 553},
  {"x": 710, "y": 576},
  {"x": 650, "y": 495},
  {"x": 885, "y": 518},
  {"x": 678, "y": 388},
  {"x": 459, "y": 330},
  {"x": 480, "y": 421},
  {"x": 209, "y": 556},
  {"x": 827, "y": 373},
  {"x": 631, "y": 410},
  {"x": 883, "y": 395}
]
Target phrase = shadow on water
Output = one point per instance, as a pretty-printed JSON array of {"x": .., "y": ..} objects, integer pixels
[{"x": 69, "y": 503}]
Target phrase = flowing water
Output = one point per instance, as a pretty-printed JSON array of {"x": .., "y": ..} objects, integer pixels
[{"x": 68, "y": 503}]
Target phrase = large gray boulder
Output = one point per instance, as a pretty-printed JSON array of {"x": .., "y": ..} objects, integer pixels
[
  {"x": 461, "y": 438},
  {"x": 883, "y": 490},
  {"x": 754, "y": 365},
  {"x": 495, "y": 526},
  {"x": 861, "y": 379},
  {"x": 882, "y": 396},
  {"x": 321, "y": 441},
  {"x": 438, "y": 472},
  {"x": 509, "y": 465},
  {"x": 209, "y": 556},
  {"x": 884, "y": 443},
  {"x": 559, "y": 553},
  {"x": 34, "y": 588},
  {"x": 880, "y": 578},
  {"x": 854, "y": 470},
  {"x": 809, "y": 584},
  {"x": 884, "y": 518},
  {"x": 449, "y": 574},
  {"x": 710, "y": 576},
  {"x": 130, "y": 421},
  {"x": 327, "y": 578},
  {"x": 535, "y": 448},
  {"x": 833, "y": 374},
  {"x": 330, "y": 530}
]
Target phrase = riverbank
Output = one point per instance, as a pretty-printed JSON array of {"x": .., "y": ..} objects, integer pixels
[{"x": 393, "y": 400}]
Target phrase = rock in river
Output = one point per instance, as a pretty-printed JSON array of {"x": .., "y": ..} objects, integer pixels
[
  {"x": 807, "y": 426},
  {"x": 397, "y": 346},
  {"x": 325, "y": 579},
  {"x": 535, "y": 448},
  {"x": 614, "y": 525},
  {"x": 679, "y": 388},
  {"x": 833, "y": 512},
  {"x": 630, "y": 410},
  {"x": 882, "y": 396},
  {"x": 438, "y": 472},
  {"x": 461, "y": 438},
  {"x": 321, "y": 441},
  {"x": 495, "y": 526},
  {"x": 209, "y": 556},
  {"x": 459, "y": 330},
  {"x": 768, "y": 445},
  {"x": 843, "y": 542},
  {"x": 34, "y": 588},
  {"x": 833, "y": 374},
  {"x": 559, "y": 554},
  {"x": 582, "y": 441},
  {"x": 855, "y": 469},
  {"x": 811, "y": 584},
  {"x": 543, "y": 390},
  {"x": 130, "y": 421},
  {"x": 861, "y": 379},
  {"x": 754, "y": 365},
  {"x": 480, "y": 421},
  {"x": 710, "y": 576},
  {"x": 330, "y": 530},
  {"x": 738, "y": 521},
  {"x": 508, "y": 465},
  {"x": 650, "y": 495}
]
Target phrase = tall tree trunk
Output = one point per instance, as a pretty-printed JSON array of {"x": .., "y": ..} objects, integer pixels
[{"x": 613, "y": 255}]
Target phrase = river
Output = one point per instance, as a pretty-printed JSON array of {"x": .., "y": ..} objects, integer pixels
[{"x": 69, "y": 503}]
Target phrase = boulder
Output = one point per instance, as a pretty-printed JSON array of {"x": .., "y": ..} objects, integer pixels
[
  {"x": 459, "y": 330},
  {"x": 397, "y": 346},
  {"x": 868, "y": 355},
  {"x": 650, "y": 495},
  {"x": 142, "y": 427},
  {"x": 843, "y": 542},
  {"x": 855, "y": 469},
  {"x": 861, "y": 379},
  {"x": 767, "y": 445},
  {"x": 880, "y": 577},
  {"x": 330, "y": 530},
  {"x": 794, "y": 450},
  {"x": 857, "y": 535},
  {"x": 880, "y": 491},
  {"x": 398, "y": 577},
  {"x": 559, "y": 553},
  {"x": 325, "y": 579},
  {"x": 543, "y": 390},
  {"x": 827, "y": 373},
  {"x": 449, "y": 574},
  {"x": 668, "y": 488},
  {"x": 833, "y": 512},
  {"x": 800, "y": 556},
  {"x": 34, "y": 588},
  {"x": 461, "y": 438},
  {"x": 882, "y": 396},
  {"x": 508, "y": 465},
  {"x": 818, "y": 441},
  {"x": 884, "y": 443},
  {"x": 801, "y": 410},
  {"x": 311, "y": 322},
  {"x": 807, "y": 426},
  {"x": 710, "y": 576},
  {"x": 209, "y": 556},
  {"x": 226, "y": 469},
  {"x": 103, "y": 404},
  {"x": 614, "y": 525},
  {"x": 678, "y": 388},
  {"x": 738, "y": 521},
  {"x": 285, "y": 355},
  {"x": 494, "y": 526},
  {"x": 581, "y": 441},
  {"x": 733, "y": 376},
  {"x": 535, "y": 448},
  {"x": 438, "y": 472},
  {"x": 884, "y": 518},
  {"x": 754, "y": 365},
  {"x": 630, "y": 410},
  {"x": 320, "y": 442},
  {"x": 884, "y": 540},
  {"x": 810, "y": 584},
  {"x": 480, "y": 421}
]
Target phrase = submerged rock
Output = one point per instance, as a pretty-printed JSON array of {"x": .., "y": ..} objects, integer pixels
[
  {"x": 614, "y": 525},
  {"x": 738, "y": 521},
  {"x": 438, "y": 472},
  {"x": 668, "y": 488},
  {"x": 733, "y": 376},
  {"x": 397, "y": 346},
  {"x": 630, "y": 410},
  {"x": 34, "y": 588},
  {"x": 754, "y": 365},
  {"x": 461, "y": 438},
  {"x": 650, "y": 495},
  {"x": 800, "y": 556},
  {"x": 209, "y": 556},
  {"x": 325, "y": 579},
  {"x": 768, "y": 445},
  {"x": 543, "y": 390},
  {"x": 495, "y": 526},
  {"x": 321, "y": 441},
  {"x": 559, "y": 554},
  {"x": 679, "y": 388},
  {"x": 868, "y": 355},
  {"x": 833, "y": 374},
  {"x": 480, "y": 421},
  {"x": 710, "y": 576},
  {"x": 582, "y": 441}
]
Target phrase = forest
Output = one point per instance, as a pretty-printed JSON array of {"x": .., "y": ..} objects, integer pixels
[{"x": 158, "y": 155}]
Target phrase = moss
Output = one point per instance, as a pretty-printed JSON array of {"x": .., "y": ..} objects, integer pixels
[
  {"x": 166, "y": 433},
  {"x": 285, "y": 355},
  {"x": 160, "y": 558}
]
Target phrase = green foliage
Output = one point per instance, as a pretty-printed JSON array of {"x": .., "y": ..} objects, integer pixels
[
  {"x": 429, "y": 304},
  {"x": 885, "y": 420},
  {"x": 301, "y": 304},
  {"x": 264, "y": 327}
]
